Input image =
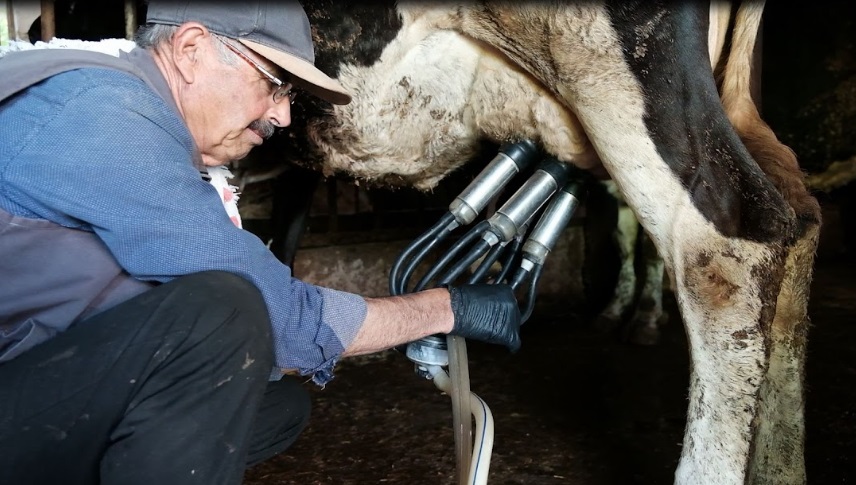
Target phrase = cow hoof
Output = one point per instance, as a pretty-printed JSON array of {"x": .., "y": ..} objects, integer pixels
[
  {"x": 645, "y": 333},
  {"x": 605, "y": 323}
]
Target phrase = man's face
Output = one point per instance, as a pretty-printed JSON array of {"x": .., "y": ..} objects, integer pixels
[{"x": 231, "y": 108}]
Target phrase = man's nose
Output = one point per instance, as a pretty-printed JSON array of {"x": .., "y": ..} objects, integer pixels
[{"x": 280, "y": 114}]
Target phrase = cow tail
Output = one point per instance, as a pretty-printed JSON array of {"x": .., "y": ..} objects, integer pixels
[{"x": 777, "y": 161}]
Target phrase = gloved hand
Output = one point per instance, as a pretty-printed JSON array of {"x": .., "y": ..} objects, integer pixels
[{"x": 488, "y": 313}]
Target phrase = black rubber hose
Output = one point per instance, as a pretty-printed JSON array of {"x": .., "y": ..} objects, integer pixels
[
  {"x": 395, "y": 288},
  {"x": 510, "y": 259},
  {"x": 404, "y": 279},
  {"x": 481, "y": 247},
  {"x": 531, "y": 293},
  {"x": 473, "y": 233},
  {"x": 484, "y": 267},
  {"x": 518, "y": 278}
]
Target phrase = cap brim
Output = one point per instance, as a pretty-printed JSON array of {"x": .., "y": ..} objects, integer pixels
[{"x": 314, "y": 81}]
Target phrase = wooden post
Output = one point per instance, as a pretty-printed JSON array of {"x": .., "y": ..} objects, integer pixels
[
  {"x": 332, "y": 205},
  {"x": 48, "y": 20},
  {"x": 10, "y": 21},
  {"x": 130, "y": 19}
]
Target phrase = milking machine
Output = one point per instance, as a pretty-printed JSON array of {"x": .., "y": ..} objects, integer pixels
[{"x": 503, "y": 249}]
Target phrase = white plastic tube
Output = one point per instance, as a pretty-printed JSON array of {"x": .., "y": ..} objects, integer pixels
[
  {"x": 459, "y": 392},
  {"x": 483, "y": 436}
]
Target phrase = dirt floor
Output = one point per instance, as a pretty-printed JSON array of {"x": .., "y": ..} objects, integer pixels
[{"x": 572, "y": 407}]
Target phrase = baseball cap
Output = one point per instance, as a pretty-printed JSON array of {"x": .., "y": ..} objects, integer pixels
[{"x": 276, "y": 30}]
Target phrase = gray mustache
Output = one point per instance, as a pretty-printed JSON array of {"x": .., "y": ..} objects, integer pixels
[{"x": 264, "y": 128}]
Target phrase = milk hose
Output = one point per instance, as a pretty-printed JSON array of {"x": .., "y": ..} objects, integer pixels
[
  {"x": 511, "y": 160},
  {"x": 498, "y": 239},
  {"x": 495, "y": 232},
  {"x": 484, "y": 429}
]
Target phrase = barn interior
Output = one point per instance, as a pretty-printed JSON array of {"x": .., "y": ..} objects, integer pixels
[{"x": 578, "y": 404}]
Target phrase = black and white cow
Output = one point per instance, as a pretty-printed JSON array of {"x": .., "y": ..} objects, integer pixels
[{"x": 626, "y": 87}]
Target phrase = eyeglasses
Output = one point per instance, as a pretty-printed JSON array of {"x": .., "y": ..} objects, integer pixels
[{"x": 283, "y": 89}]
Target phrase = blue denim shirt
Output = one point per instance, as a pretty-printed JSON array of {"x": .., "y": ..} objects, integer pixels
[{"x": 98, "y": 150}]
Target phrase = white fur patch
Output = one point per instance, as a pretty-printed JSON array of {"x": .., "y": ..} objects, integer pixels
[
  {"x": 428, "y": 101},
  {"x": 106, "y": 46}
]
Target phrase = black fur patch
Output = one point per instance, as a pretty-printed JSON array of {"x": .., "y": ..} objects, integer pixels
[{"x": 665, "y": 45}]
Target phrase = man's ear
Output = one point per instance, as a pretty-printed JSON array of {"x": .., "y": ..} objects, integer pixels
[{"x": 187, "y": 45}]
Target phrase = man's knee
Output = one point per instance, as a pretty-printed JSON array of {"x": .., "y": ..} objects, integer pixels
[
  {"x": 222, "y": 285},
  {"x": 232, "y": 309}
]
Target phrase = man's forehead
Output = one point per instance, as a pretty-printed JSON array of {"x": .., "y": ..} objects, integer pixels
[
  {"x": 262, "y": 60},
  {"x": 267, "y": 64}
]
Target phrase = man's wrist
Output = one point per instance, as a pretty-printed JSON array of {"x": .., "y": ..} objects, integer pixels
[{"x": 446, "y": 308}]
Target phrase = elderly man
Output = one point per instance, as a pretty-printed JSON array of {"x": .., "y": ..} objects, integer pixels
[{"x": 139, "y": 326}]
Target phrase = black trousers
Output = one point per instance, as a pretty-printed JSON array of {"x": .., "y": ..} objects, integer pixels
[{"x": 170, "y": 387}]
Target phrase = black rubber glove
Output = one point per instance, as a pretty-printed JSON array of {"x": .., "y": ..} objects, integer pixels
[{"x": 488, "y": 313}]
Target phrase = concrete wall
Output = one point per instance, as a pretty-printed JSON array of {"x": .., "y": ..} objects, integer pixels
[{"x": 21, "y": 15}]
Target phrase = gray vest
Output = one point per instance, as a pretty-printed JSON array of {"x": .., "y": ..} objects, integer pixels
[{"x": 52, "y": 276}]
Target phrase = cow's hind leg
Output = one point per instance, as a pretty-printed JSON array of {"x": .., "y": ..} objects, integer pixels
[
  {"x": 637, "y": 77},
  {"x": 625, "y": 235},
  {"x": 637, "y": 312},
  {"x": 648, "y": 316},
  {"x": 779, "y": 443},
  {"x": 723, "y": 225},
  {"x": 750, "y": 374}
]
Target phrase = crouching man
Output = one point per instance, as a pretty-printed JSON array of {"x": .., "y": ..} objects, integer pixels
[{"x": 143, "y": 335}]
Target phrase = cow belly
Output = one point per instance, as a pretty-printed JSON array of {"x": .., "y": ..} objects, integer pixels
[{"x": 427, "y": 104}]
